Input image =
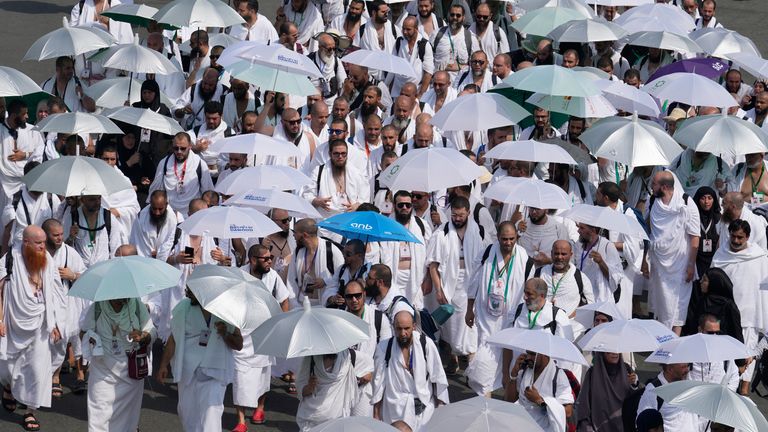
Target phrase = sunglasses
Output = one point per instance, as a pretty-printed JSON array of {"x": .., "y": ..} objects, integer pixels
[
  {"x": 351, "y": 296},
  {"x": 456, "y": 15},
  {"x": 713, "y": 332},
  {"x": 418, "y": 196},
  {"x": 284, "y": 221},
  {"x": 181, "y": 149},
  {"x": 404, "y": 205},
  {"x": 293, "y": 122},
  {"x": 266, "y": 258},
  {"x": 477, "y": 61},
  {"x": 481, "y": 17},
  {"x": 335, "y": 131}
]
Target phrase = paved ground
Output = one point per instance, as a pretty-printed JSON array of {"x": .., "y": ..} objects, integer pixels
[{"x": 25, "y": 20}]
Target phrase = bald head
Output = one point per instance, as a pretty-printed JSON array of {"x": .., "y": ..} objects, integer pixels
[
  {"x": 326, "y": 40},
  {"x": 735, "y": 199},
  {"x": 196, "y": 205},
  {"x": 524, "y": 65},
  {"x": 33, "y": 232},
  {"x": 126, "y": 250},
  {"x": 423, "y": 136},
  {"x": 423, "y": 118}
]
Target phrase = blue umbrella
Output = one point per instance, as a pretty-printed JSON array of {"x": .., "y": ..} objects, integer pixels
[
  {"x": 708, "y": 67},
  {"x": 367, "y": 226}
]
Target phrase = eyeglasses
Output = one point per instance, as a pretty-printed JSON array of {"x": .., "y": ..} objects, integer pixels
[
  {"x": 335, "y": 131},
  {"x": 292, "y": 122},
  {"x": 477, "y": 61},
  {"x": 283, "y": 221},
  {"x": 418, "y": 196},
  {"x": 266, "y": 258},
  {"x": 180, "y": 149},
  {"x": 404, "y": 205},
  {"x": 339, "y": 154},
  {"x": 351, "y": 296},
  {"x": 713, "y": 332}
]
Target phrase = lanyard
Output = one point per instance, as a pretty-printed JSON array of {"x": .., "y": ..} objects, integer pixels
[
  {"x": 309, "y": 264},
  {"x": 183, "y": 171},
  {"x": 755, "y": 184},
  {"x": 704, "y": 230},
  {"x": 92, "y": 230},
  {"x": 453, "y": 50},
  {"x": 585, "y": 254},
  {"x": 532, "y": 323},
  {"x": 616, "y": 171},
  {"x": 493, "y": 274},
  {"x": 556, "y": 286}
]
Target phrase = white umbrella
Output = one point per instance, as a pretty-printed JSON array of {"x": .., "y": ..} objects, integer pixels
[
  {"x": 700, "y": 348},
  {"x": 531, "y": 151},
  {"x": 198, "y": 14},
  {"x": 266, "y": 78},
  {"x": 691, "y": 89},
  {"x": 751, "y": 63},
  {"x": 531, "y": 192},
  {"x": 722, "y": 134},
  {"x": 233, "y": 295},
  {"x": 595, "y": 106},
  {"x": 478, "y": 111},
  {"x": 715, "y": 402},
  {"x": 631, "y": 141},
  {"x": 264, "y": 177},
  {"x": 621, "y": 2},
  {"x": 76, "y": 175},
  {"x": 77, "y": 123},
  {"x": 111, "y": 92},
  {"x": 145, "y": 118},
  {"x": 15, "y": 83},
  {"x": 585, "y": 315},
  {"x": 579, "y": 6},
  {"x": 229, "y": 222},
  {"x": 664, "y": 40},
  {"x": 658, "y": 13},
  {"x": 587, "y": 30},
  {"x": 481, "y": 414},
  {"x": 135, "y": 58},
  {"x": 267, "y": 199},
  {"x": 540, "y": 342},
  {"x": 382, "y": 61},
  {"x": 634, "y": 335},
  {"x": 607, "y": 218},
  {"x": 628, "y": 98},
  {"x": 255, "y": 143},
  {"x": 281, "y": 58},
  {"x": 429, "y": 170},
  {"x": 136, "y": 14},
  {"x": 68, "y": 41},
  {"x": 581, "y": 156},
  {"x": 353, "y": 424},
  {"x": 238, "y": 52},
  {"x": 309, "y": 331},
  {"x": 552, "y": 80},
  {"x": 719, "y": 42},
  {"x": 653, "y": 23}
]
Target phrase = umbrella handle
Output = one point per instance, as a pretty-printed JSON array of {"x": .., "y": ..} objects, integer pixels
[{"x": 130, "y": 83}]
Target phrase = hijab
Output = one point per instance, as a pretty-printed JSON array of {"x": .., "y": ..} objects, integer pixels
[
  {"x": 150, "y": 85},
  {"x": 602, "y": 395},
  {"x": 713, "y": 215}
]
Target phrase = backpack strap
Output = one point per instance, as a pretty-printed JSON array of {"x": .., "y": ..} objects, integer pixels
[
  {"x": 421, "y": 46},
  {"x": 554, "y": 380},
  {"x": 497, "y": 35},
  {"x": 537, "y": 272},
  {"x": 580, "y": 285},
  {"x": 18, "y": 198},
  {"x": 397, "y": 44},
  {"x": 486, "y": 254},
  {"x": 352, "y": 356},
  {"x": 464, "y": 75},
  {"x": 378, "y": 317},
  {"x": 107, "y": 223},
  {"x": 659, "y": 401},
  {"x": 362, "y": 30},
  {"x": 468, "y": 41},
  {"x": 476, "y": 216},
  {"x": 341, "y": 272},
  {"x": 528, "y": 266},
  {"x": 199, "y": 172},
  {"x": 439, "y": 35},
  {"x": 319, "y": 175},
  {"x": 582, "y": 191},
  {"x": 518, "y": 311},
  {"x": 388, "y": 354},
  {"x": 420, "y": 223},
  {"x": 329, "y": 255},
  {"x": 8, "y": 264}
]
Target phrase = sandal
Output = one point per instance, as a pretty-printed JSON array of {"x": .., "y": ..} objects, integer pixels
[
  {"x": 80, "y": 387},
  {"x": 57, "y": 391},
  {"x": 9, "y": 403},
  {"x": 241, "y": 427},
  {"x": 30, "y": 423}
]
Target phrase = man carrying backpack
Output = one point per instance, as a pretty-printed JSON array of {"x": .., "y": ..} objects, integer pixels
[{"x": 675, "y": 419}]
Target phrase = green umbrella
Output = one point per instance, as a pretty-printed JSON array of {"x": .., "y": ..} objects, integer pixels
[
  {"x": 32, "y": 100},
  {"x": 125, "y": 277},
  {"x": 552, "y": 80},
  {"x": 540, "y": 22},
  {"x": 135, "y": 14},
  {"x": 268, "y": 78},
  {"x": 520, "y": 97}
]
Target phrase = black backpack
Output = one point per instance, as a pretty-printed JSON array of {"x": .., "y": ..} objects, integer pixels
[
  {"x": 579, "y": 283},
  {"x": 467, "y": 39},
  {"x": 552, "y": 326},
  {"x": 421, "y": 46},
  {"x": 632, "y": 402},
  {"x": 761, "y": 374},
  {"x": 528, "y": 264},
  {"x": 388, "y": 354}
]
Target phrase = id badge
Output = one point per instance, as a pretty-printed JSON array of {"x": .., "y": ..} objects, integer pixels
[
  {"x": 387, "y": 207},
  {"x": 145, "y": 134},
  {"x": 204, "y": 336},
  {"x": 758, "y": 197},
  {"x": 180, "y": 188},
  {"x": 279, "y": 263},
  {"x": 115, "y": 347},
  {"x": 496, "y": 299},
  {"x": 39, "y": 297},
  {"x": 707, "y": 246},
  {"x": 405, "y": 250}
]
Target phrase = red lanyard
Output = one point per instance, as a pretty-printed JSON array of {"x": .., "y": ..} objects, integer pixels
[{"x": 183, "y": 171}]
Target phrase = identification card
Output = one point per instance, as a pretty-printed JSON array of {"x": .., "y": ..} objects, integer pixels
[
  {"x": 204, "y": 336},
  {"x": 145, "y": 134},
  {"x": 496, "y": 298},
  {"x": 39, "y": 297},
  {"x": 386, "y": 208},
  {"x": 405, "y": 250},
  {"x": 115, "y": 347},
  {"x": 279, "y": 263},
  {"x": 707, "y": 246},
  {"x": 180, "y": 188},
  {"x": 758, "y": 197}
]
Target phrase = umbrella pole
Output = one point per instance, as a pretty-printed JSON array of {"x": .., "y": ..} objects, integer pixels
[{"x": 130, "y": 83}]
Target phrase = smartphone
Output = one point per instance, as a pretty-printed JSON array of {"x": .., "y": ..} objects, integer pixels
[{"x": 189, "y": 251}]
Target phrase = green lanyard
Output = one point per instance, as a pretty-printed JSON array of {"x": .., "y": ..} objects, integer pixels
[
  {"x": 92, "y": 231},
  {"x": 532, "y": 323},
  {"x": 556, "y": 286},
  {"x": 616, "y": 171},
  {"x": 493, "y": 274},
  {"x": 755, "y": 184}
]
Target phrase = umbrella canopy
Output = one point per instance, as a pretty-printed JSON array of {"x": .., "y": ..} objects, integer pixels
[
  {"x": 111, "y": 92},
  {"x": 145, "y": 118},
  {"x": 700, "y": 348},
  {"x": 658, "y": 13},
  {"x": 711, "y": 68},
  {"x": 263, "y": 177},
  {"x": 714, "y": 402},
  {"x": 198, "y": 14},
  {"x": 579, "y": 6},
  {"x": 430, "y": 169},
  {"x": 272, "y": 79},
  {"x": 124, "y": 277},
  {"x": 621, "y": 2},
  {"x": 629, "y": 98},
  {"x": 382, "y": 61},
  {"x": 722, "y": 134},
  {"x": 229, "y": 222},
  {"x": 591, "y": 72},
  {"x": 619, "y": 335},
  {"x": 652, "y": 23},
  {"x": 552, "y": 80},
  {"x": 77, "y": 123},
  {"x": 606, "y": 218},
  {"x": 368, "y": 226},
  {"x": 135, "y": 14},
  {"x": 309, "y": 331},
  {"x": 264, "y": 200},
  {"x": 531, "y": 151},
  {"x": 631, "y": 141},
  {"x": 587, "y": 30},
  {"x": 68, "y": 41},
  {"x": 255, "y": 143},
  {"x": 233, "y": 295},
  {"x": 540, "y": 342},
  {"x": 481, "y": 414},
  {"x": 478, "y": 111},
  {"x": 720, "y": 42},
  {"x": 353, "y": 424},
  {"x": 585, "y": 107},
  {"x": 664, "y": 40},
  {"x": 691, "y": 89},
  {"x": 531, "y": 192},
  {"x": 15, "y": 83},
  {"x": 135, "y": 58},
  {"x": 751, "y": 63},
  {"x": 581, "y": 156},
  {"x": 278, "y": 57},
  {"x": 222, "y": 39},
  {"x": 585, "y": 315},
  {"x": 540, "y": 22},
  {"x": 76, "y": 175}
]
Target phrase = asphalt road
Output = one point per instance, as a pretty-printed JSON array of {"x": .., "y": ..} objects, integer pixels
[{"x": 25, "y": 20}]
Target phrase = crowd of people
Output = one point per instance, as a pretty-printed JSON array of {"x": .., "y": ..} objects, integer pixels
[{"x": 497, "y": 265}]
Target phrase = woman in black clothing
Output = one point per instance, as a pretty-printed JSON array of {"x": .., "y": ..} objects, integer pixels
[
  {"x": 713, "y": 294},
  {"x": 709, "y": 213},
  {"x": 155, "y": 144}
]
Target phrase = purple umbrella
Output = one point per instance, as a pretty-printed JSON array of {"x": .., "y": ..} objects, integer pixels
[{"x": 708, "y": 67}]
